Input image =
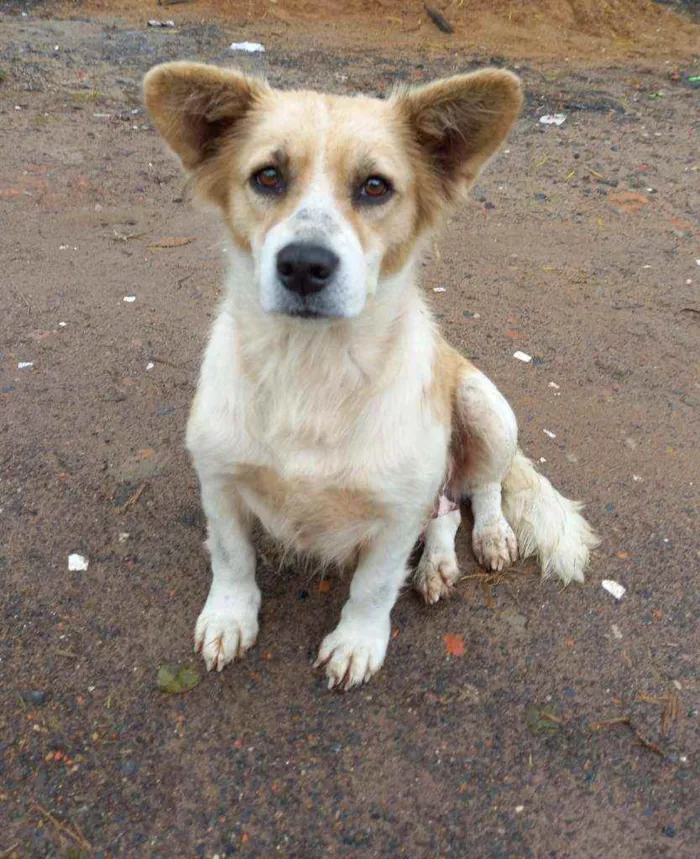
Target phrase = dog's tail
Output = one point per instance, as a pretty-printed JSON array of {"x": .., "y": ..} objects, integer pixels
[{"x": 545, "y": 523}]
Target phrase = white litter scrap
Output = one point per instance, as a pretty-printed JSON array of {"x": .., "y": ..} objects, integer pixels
[
  {"x": 522, "y": 356},
  {"x": 150, "y": 365},
  {"x": 77, "y": 563},
  {"x": 25, "y": 365},
  {"x": 614, "y": 588},
  {"x": 162, "y": 25},
  {"x": 248, "y": 47},
  {"x": 62, "y": 324},
  {"x": 553, "y": 119},
  {"x": 439, "y": 289},
  {"x": 549, "y": 433},
  {"x": 124, "y": 536},
  {"x": 553, "y": 385},
  {"x": 129, "y": 299}
]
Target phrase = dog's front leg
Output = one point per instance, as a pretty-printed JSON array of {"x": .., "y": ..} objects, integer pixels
[
  {"x": 228, "y": 624},
  {"x": 356, "y": 648}
]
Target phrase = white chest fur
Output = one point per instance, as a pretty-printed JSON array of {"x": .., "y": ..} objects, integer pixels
[{"x": 325, "y": 432}]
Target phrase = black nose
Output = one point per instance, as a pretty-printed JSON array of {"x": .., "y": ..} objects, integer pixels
[{"x": 306, "y": 269}]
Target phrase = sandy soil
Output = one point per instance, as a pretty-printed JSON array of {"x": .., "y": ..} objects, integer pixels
[{"x": 569, "y": 727}]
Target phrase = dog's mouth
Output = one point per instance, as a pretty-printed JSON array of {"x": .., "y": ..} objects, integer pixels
[{"x": 307, "y": 314}]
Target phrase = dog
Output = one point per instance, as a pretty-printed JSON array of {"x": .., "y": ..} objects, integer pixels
[{"x": 329, "y": 408}]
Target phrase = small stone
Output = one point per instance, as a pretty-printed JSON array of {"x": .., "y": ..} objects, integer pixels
[
  {"x": 129, "y": 767},
  {"x": 615, "y": 588},
  {"x": 35, "y": 696},
  {"x": 77, "y": 563},
  {"x": 669, "y": 831}
]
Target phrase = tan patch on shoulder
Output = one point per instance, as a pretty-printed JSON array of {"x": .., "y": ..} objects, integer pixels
[
  {"x": 448, "y": 368},
  {"x": 449, "y": 371}
]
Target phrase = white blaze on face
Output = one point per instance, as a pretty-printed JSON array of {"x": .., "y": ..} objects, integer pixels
[{"x": 317, "y": 220}]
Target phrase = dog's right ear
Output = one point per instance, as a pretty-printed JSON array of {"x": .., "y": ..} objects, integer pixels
[{"x": 196, "y": 107}]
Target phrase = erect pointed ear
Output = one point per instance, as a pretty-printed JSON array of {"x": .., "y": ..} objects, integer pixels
[
  {"x": 195, "y": 106},
  {"x": 459, "y": 123}
]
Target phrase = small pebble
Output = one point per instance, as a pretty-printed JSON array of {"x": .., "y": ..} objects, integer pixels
[
  {"x": 36, "y": 697},
  {"x": 614, "y": 588},
  {"x": 77, "y": 563}
]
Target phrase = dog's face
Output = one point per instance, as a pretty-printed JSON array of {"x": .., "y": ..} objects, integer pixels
[{"x": 328, "y": 194}]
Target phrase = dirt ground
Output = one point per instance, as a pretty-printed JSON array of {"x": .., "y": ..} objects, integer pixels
[{"x": 568, "y": 728}]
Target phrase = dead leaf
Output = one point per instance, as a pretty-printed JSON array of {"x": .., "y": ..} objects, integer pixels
[
  {"x": 627, "y": 202},
  {"x": 174, "y": 679},
  {"x": 454, "y": 644},
  {"x": 171, "y": 242},
  {"x": 542, "y": 720}
]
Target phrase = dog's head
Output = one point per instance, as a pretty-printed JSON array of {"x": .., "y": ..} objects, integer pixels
[{"x": 328, "y": 194}]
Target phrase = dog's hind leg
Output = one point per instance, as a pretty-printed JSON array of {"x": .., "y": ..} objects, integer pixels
[
  {"x": 437, "y": 569},
  {"x": 228, "y": 623},
  {"x": 484, "y": 443}
]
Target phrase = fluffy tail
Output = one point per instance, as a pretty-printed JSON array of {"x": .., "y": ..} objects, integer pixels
[{"x": 545, "y": 523}]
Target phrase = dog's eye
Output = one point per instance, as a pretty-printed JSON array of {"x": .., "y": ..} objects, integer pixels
[
  {"x": 268, "y": 180},
  {"x": 376, "y": 189}
]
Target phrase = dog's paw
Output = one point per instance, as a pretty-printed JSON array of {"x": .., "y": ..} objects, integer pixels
[
  {"x": 352, "y": 653},
  {"x": 435, "y": 576},
  {"x": 226, "y": 628},
  {"x": 494, "y": 544}
]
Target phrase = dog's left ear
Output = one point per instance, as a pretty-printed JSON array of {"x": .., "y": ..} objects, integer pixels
[{"x": 459, "y": 123}]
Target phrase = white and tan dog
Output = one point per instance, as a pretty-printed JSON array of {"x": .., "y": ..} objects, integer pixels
[{"x": 329, "y": 408}]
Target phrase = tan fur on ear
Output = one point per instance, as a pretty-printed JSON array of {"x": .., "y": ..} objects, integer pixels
[
  {"x": 195, "y": 107},
  {"x": 458, "y": 124}
]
